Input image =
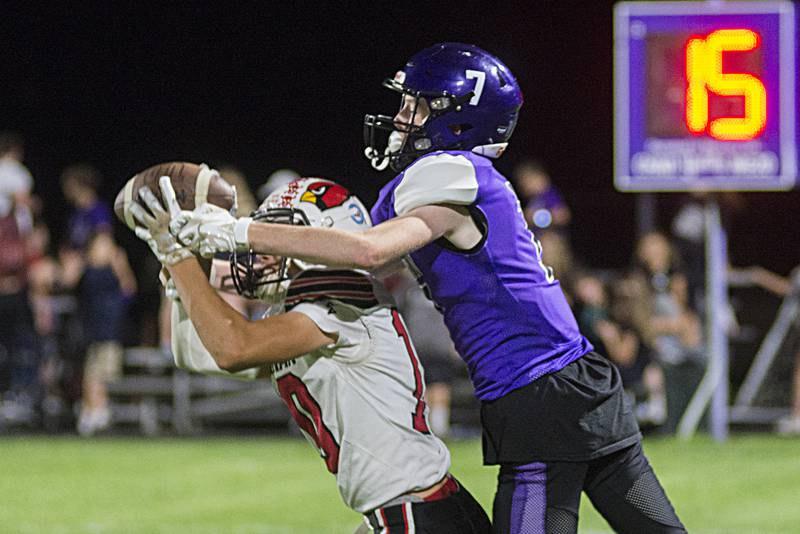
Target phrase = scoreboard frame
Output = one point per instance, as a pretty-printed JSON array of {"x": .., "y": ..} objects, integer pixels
[{"x": 630, "y": 26}]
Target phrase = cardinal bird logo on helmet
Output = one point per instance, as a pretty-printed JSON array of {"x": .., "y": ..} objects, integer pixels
[{"x": 325, "y": 195}]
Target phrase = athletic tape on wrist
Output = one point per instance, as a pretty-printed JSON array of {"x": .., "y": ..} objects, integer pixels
[{"x": 240, "y": 231}]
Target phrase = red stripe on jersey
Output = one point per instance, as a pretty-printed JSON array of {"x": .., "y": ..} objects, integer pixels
[
  {"x": 418, "y": 417},
  {"x": 405, "y": 519},
  {"x": 383, "y": 520}
]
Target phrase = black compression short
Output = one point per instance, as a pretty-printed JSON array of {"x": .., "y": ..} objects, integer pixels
[{"x": 576, "y": 414}]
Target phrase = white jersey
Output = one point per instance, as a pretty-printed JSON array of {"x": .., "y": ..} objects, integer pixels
[{"x": 358, "y": 401}]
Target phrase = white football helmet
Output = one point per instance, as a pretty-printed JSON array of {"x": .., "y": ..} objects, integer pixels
[{"x": 307, "y": 202}]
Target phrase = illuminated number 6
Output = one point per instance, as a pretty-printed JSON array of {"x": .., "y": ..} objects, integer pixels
[
  {"x": 480, "y": 77},
  {"x": 704, "y": 74}
]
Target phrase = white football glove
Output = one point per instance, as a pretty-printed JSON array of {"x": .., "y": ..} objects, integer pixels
[
  {"x": 156, "y": 227},
  {"x": 163, "y": 275},
  {"x": 211, "y": 229}
]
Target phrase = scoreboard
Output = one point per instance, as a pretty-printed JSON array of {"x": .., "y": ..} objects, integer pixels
[{"x": 704, "y": 96}]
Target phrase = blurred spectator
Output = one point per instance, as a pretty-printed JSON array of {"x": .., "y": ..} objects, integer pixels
[
  {"x": 611, "y": 332},
  {"x": 43, "y": 275},
  {"x": 433, "y": 345},
  {"x": 52, "y": 313},
  {"x": 645, "y": 374},
  {"x": 18, "y": 344},
  {"x": 667, "y": 325},
  {"x": 688, "y": 228},
  {"x": 277, "y": 179},
  {"x": 106, "y": 284},
  {"x": 542, "y": 204},
  {"x": 98, "y": 270},
  {"x": 79, "y": 183},
  {"x": 557, "y": 254},
  {"x": 16, "y": 182}
]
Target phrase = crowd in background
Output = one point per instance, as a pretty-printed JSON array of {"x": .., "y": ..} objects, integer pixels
[
  {"x": 64, "y": 306},
  {"x": 649, "y": 317}
]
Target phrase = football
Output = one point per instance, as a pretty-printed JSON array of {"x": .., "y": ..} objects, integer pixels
[{"x": 194, "y": 184}]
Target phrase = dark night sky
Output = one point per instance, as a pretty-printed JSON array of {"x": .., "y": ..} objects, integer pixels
[{"x": 269, "y": 85}]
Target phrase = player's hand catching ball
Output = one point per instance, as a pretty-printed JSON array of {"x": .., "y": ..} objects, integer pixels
[
  {"x": 211, "y": 229},
  {"x": 155, "y": 229}
]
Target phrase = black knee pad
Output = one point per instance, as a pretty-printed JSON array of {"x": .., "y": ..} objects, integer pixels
[
  {"x": 558, "y": 521},
  {"x": 647, "y": 496},
  {"x": 626, "y": 491}
]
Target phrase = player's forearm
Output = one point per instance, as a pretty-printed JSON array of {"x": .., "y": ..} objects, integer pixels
[
  {"x": 189, "y": 352},
  {"x": 369, "y": 250},
  {"x": 328, "y": 246},
  {"x": 220, "y": 327},
  {"x": 234, "y": 342}
]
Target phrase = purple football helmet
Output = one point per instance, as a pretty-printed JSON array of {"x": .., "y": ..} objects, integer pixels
[{"x": 474, "y": 103}]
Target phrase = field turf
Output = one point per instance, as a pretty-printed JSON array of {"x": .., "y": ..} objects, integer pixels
[{"x": 270, "y": 485}]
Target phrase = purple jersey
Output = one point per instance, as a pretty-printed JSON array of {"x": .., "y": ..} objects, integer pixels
[{"x": 505, "y": 312}]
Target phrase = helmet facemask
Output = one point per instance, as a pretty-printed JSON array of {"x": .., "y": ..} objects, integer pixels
[
  {"x": 407, "y": 140},
  {"x": 254, "y": 278}
]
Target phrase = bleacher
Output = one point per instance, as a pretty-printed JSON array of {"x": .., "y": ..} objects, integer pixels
[{"x": 157, "y": 397}]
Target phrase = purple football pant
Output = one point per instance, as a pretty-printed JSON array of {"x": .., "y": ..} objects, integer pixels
[{"x": 544, "y": 497}]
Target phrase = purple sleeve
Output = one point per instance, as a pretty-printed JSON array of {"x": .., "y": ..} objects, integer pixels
[{"x": 382, "y": 210}]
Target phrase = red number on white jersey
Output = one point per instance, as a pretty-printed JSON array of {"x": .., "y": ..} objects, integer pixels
[
  {"x": 418, "y": 417},
  {"x": 306, "y": 412}
]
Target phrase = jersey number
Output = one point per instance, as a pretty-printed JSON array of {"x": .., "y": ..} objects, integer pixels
[
  {"x": 418, "y": 415},
  {"x": 480, "y": 78},
  {"x": 305, "y": 411},
  {"x": 549, "y": 275}
]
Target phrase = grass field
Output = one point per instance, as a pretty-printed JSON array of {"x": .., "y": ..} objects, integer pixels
[{"x": 269, "y": 485}]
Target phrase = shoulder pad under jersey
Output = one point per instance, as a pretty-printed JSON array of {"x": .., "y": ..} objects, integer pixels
[{"x": 437, "y": 179}]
